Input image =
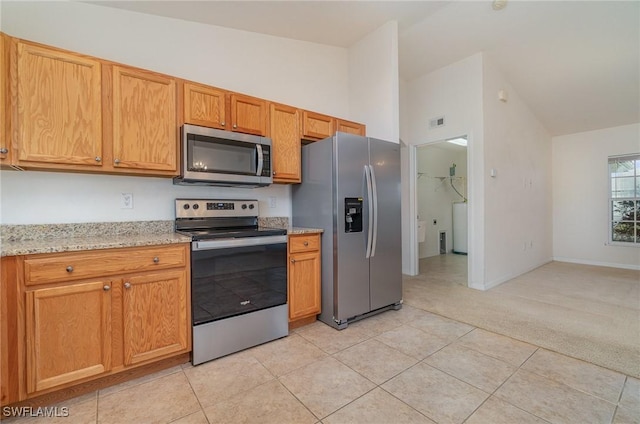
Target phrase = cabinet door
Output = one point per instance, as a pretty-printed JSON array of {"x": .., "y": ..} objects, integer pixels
[
  {"x": 5, "y": 102},
  {"x": 350, "y": 127},
  {"x": 155, "y": 315},
  {"x": 316, "y": 126},
  {"x": 68, "y": 332},
  {"x": 285, "y": 135},
  {"x": 248, "y": 114},
  {"x": 304, "y": 285},
  {"x": 204, "y": 106},
  {"x": 59, "y": 117},
  {"x": 145, "y": 126}
]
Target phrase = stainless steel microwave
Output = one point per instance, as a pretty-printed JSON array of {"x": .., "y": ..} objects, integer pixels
[{"x": 224, "y": 158}]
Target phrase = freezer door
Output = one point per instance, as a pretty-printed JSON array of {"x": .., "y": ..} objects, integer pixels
[
  {"x": 351, "y": 266},
  {"x": 386, "y": 260}
]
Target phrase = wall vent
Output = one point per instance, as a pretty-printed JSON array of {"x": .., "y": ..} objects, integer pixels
[{"x": 436, "y": 122}]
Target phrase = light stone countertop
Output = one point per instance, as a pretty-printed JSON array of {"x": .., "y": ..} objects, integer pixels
[
  {"x": 72, "y": 244},
  {"x": 301, "y": 230},
  {"x": 55, "y": 238}
]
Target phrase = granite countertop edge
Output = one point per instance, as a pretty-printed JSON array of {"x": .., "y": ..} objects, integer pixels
[
  {"x": 303, "y": 230},
  {"x": 75, "y": 244}
]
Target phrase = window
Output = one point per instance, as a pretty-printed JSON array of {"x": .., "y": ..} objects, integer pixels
[{"x": 624, "y": 201}]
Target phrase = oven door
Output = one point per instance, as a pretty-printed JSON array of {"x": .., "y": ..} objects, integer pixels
[{"x": 231, "y": 277}]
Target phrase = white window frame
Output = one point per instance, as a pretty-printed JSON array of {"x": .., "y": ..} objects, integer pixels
[{"x": 635, "y": 198}]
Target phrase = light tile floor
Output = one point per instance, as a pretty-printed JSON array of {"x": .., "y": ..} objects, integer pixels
[{"x": 407, "y": 366}]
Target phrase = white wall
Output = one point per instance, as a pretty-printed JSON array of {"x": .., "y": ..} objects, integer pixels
[
  {"x": 53, "y": 197},
  {"x": 517, "y": 202},
  {"x": 302, "y": 74},
  {"x": 435, "y": 196},
  {"x": 374, "y": 82},
  {"x": 581, "y": 196},
  {"x": 454, "y": 92}
]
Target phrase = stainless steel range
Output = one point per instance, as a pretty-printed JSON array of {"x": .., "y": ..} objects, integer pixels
[{"x": 238, "y": 276}]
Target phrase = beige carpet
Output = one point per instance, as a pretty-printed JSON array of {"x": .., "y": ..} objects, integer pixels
[{"x": 587, "y": 312}]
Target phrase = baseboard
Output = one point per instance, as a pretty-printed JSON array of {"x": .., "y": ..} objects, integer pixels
[
  {"x": 596, "y": 263},
  {"x": 497, "y": 282}
]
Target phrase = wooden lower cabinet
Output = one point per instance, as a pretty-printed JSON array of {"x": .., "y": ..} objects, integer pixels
[
  {"x": 154, "y": 315},
  {"x": 68, "y": 333},
  {"x": 303, "y": 278},
  {"x": 76, "y": 331}
]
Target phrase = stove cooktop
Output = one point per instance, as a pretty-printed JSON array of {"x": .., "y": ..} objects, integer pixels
[{"x": 217, "y": 233}]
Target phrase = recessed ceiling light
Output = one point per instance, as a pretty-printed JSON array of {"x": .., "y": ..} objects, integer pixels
[
  {"x": 499, "y": 4},
  {"x": 460, "y": 141}
]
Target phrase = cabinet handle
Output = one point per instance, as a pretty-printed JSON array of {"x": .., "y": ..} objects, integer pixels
[
  {"x": 117, "y": 161},
  {"x": 106, "y": 287},
  {"x": 223, "y": 123},
  {"x": 274, "y": 173},
  {"x": 69, "y": 268},
  {"x": 235, "y": 125},
  {"x": 4, "y": 151},
  {"x": 127, "y": 285},
  {"x": 156, "y": 259},
  {"x": 306, "y": 243},
  {"x": 98, "y": 159},
  {"x": 293, "y": 261}
]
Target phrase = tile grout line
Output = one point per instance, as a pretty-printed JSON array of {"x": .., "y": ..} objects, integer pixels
[
  {"x": 196, "y": 396},
  {"x": 493, "y": 394}
]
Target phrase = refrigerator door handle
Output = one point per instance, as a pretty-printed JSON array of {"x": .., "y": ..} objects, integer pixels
[
  {"x": 367, "y": 175},
  {"x": 374, "y": 189}
]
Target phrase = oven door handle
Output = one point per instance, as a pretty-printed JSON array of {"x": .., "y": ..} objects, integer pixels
[{"x": 237, "y": 242}]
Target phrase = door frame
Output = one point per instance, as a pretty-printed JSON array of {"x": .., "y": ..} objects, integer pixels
[{"x": 413, "y": 202}]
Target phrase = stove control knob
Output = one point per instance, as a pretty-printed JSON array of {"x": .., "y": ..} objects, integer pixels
[
  {"x": 251, "y": 206},
  {"x": 195, "y": 206},
  {"x": 185, "y": 206},
  {"x": 244, "y": 206}
]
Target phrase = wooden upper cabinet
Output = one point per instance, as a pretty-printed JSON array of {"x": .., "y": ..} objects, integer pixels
[
  {"x": 68, "y": 333},
  {"x": 144, "y": 122},
  {"x": 285, "y": 136},
  {"x": 58, "y": 101},
  {"x": 316, "y": 126},
  {"x": 5, "y": 102},
  {"x": 205, "y": 106},
  {"x": 350, "y": 127},
  {"x": 248, "y": 114},
  {"x": 155, "y": 311}
]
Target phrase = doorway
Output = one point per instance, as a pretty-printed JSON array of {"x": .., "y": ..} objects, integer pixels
[{"x": 441, "y": 188}]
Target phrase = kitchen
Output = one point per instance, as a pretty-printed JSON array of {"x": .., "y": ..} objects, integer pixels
[
  {"x": 333, "y": 81},
  {"x": 91, "y": 197}
]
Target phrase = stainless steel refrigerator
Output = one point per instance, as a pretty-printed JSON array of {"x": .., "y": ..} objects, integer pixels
[{"x": 351, "y": 189}]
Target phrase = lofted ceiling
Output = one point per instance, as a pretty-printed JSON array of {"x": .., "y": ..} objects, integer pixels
[{"x": 575, "y": 63}]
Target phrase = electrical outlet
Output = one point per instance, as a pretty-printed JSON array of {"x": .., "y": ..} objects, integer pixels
[
  {"x": 126, "y": 201},
  {"x": 273, "y": 202}
]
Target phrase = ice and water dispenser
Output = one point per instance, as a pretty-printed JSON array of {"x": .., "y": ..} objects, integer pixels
[{"x": 353, "y": 214}]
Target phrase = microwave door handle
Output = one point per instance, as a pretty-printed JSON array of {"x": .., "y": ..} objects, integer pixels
[{"x": 260, "y": 159}]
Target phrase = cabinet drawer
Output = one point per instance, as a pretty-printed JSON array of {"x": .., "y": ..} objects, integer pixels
[
  {"x": 304, "y": 243},
  {"x": 75, "y": 266}
]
